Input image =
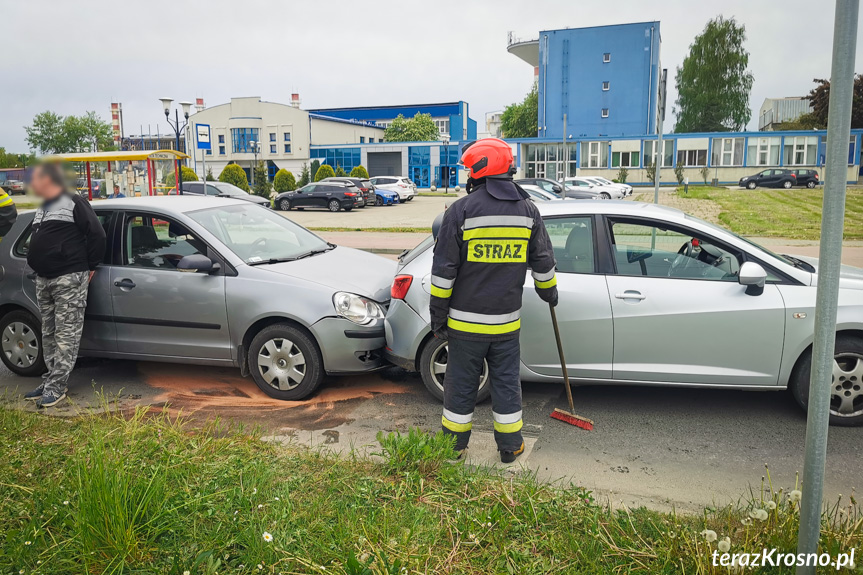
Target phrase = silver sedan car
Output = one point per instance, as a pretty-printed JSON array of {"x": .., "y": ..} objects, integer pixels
[
  {"x": 650, "y": 295},
  {"x": 212, "y": 281}
]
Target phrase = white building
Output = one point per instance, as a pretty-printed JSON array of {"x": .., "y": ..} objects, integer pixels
[
  {"x": 283, "y": 134},
  {"x": 776, "y": 111}
]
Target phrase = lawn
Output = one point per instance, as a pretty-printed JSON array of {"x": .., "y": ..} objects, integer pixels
[
  {"x": 794, "y": 214},
  {"x": 147, "y": 493}
]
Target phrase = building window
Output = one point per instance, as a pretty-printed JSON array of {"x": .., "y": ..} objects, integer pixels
[
  {"x": 241, "y": 138},
  {"x": 606, "y": 57},
  {"x": 594, "y": 154},
  {"x": 727, "y": 152},
  {"x": 624, "y": 159},
  {"x": 691, "y": 158},
  {"x": 272, "y": 136},
  {"x": 209, "y": 152},
  {"x": 221, "y": 138},
  {"x": 273, "y": 148},
  {"x": 555, "y": 161},
  {"x": 763, "y": 152},
  {"x": 667, "y": 152},
  {"x": 800, "y": 150},
  {"x": 442, "y": 126},
  {"x": 371, "y": 140},
  {"x": 362, "y": 139},
  {"x": 287, "y": 136},
  {"x": 605, "y": 112},
  {"x": 287, "y": 148},
  {"x": 221, "y": 150},
  {"x": 606, "y": 86}
]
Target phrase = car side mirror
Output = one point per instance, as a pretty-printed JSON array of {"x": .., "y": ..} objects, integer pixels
[
  {"x": 197, "y": 263},
  {"x": 753, "y": 276},
  {"x": 557, "y": 188}
]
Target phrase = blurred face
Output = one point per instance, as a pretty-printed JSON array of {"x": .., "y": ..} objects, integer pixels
[{"x": 43, "y": 186}]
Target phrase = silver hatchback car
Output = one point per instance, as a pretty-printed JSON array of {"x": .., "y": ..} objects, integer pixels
[
  {"x": 259, "y": 292},
  {"x": 652, "y": 296}
]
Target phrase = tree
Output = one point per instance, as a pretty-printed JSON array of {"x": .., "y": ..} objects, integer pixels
[
  {"x": 650, "y": 171},
  {"x": 678, "y": 173},
  {"x": 340, "y": 172},
  {"x": 51, "y": 133},
  {"x": 705, "y": 173},
  {"x": 210, "y": 177},
  {"x": 8, "y": 160},
  {"x": 284, "y": 181},
  {"x": 305, "y": 176},
  {"x": 262, "y": 185},
  {"x": 360, "y": 172},
  {"x": 819, "y": 99},
  {"x": 714, "y": 82},
  {"x": 45, "y": 134},
  {"x": 316, "y": 164},
  {"x": 420, "y": 128},
  {"x": 234, "y": 174},
  {"x": 520, "y": 120},
  {"x": 324, "y": 171},
  {"x": 186, "y": 174},
  {"x": 622, "y": 174}
]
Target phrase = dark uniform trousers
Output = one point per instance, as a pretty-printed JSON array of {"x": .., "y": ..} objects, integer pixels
[{"x": 464, "y": 368}]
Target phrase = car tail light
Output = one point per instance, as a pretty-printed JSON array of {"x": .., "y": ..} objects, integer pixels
[
  {"x": 816, "y": 176},
  {"x": 401, "y": 285},
  {"x": 794, "y": 176},
  {"x": 403, "y": 185},
  {"x": 350, "y": 194},
  {"x": 364, "y": 189}
]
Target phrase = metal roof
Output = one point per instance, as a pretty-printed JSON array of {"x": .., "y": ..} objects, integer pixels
[{"x": 119, "y": 156}]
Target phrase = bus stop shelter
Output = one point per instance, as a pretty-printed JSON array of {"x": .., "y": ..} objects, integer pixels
[{"x": 131, "y": 172}]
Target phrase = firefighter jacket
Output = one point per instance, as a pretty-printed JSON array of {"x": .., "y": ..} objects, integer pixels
[
  {"x": 485, "y": 245},
  {"x": 8, "y": 213}
]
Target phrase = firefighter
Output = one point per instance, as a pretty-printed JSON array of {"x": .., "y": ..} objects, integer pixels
[
  {"x": 485, "y": 245},
  {"x": 8, "y": 213}
]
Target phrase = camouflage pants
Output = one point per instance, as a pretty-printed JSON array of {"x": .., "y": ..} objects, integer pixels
[{"x": 62, "y": 302}]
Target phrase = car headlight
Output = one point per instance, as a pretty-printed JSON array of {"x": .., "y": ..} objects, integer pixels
[{"x": 360, "y": 310}]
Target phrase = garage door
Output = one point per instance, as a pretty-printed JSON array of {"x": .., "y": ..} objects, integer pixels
[{"x": 385, "y": 164}]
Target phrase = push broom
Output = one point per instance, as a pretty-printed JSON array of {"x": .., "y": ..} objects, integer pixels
[{"x": 566, "y": 416}]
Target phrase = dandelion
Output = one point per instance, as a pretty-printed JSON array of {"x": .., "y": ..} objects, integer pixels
[
  {"x": 255, "y": 491},
  {"x": 795, "y": 496},
  {"x": 746, "y": 521},
  {"x": 186, "y": 572},
  {"x": 66, "y": 502},
  {"x": 488, "y": 524},
  {"x": 709, "y": 535},
  {"x": 771, "y": 505},
  {"x": 21, "y": 572},
  {"x": 758, "y": 514},
  {"x": 277, "y": 499},
  {"x": 235, "y": 512},
  {"x": 28, "y": 543},
  {"x": 724, "y": 545},
  {"x": 260, "y": 506},
  {"x": 260, "y": 567},
  {"x": 268, "y": 537},
  {"x": 672, "y": 535}
]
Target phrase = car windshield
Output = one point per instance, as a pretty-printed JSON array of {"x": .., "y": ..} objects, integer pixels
[
  {"x": 779, "y": 257},
  {"x": 258, "y": 235},
  {"x": 230, "y": 190}
]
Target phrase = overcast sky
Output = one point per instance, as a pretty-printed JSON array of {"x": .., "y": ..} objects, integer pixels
[{"x": 72, "y": 56}]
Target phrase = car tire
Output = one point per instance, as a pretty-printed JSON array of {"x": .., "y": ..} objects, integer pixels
[
  {"x": 750, "y": 186},
  {"x": 379, "y": 201},
  {"x": 787, "y": 184},
  {"x": 289, "y": 358},
  {"x": 285, "y": 205},
  {"x": 810, "y": 184},
  {"x": 20, "y": 330},
  {"x": 848, "y": 353},
  {"x": 334, "y": 206},
  {"x": 434, "y": 354}
]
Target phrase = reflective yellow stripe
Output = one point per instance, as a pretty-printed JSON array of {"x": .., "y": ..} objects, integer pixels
[
  {"x": 544, "y": 285},
  {"x": 499, "y": 232},
  {"x": 6, "y": 202},
  {"x": 438, "y": 292},
  {"x": 469, "y": 327},
  {"x": 497, "y": 251},
  {"x": 508, "y": 427},
  {"x": 457, "y": 427}
]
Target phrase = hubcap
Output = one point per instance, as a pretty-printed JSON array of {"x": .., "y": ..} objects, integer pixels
[
  {"x": 846, "y": 398},
  {"x": 281, "y": 364},
  {"x": 20, "y": 344},
  {"x": 438, "y": 362}
]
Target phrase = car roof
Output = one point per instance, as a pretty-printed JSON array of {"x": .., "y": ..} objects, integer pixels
[
  {"x": 610, "y": 207},
  {"x": 179, "y": 204}
]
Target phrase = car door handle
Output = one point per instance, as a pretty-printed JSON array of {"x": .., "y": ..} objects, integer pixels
[
  {"x": 631, "y": 294},
  {"x": 124, "y": 284}
]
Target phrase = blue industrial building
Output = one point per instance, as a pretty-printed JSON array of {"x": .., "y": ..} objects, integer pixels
[
  {"x": 451, "y": 118},
  {"x": 603, "y": 79}
]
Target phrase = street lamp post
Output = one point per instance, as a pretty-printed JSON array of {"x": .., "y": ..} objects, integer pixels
[
  {"x": 178, "y": 129},
  {"x": 446, "y": 162},
  {"x": 256, "y": 147}
]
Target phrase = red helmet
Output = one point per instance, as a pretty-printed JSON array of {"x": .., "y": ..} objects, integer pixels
[{"x": 487, "y": 157}]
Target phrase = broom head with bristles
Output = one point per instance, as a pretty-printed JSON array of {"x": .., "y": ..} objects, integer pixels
[{"x": 572, "y": 419}]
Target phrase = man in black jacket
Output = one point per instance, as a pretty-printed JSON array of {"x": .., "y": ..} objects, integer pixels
[
  {"x": 67, "y": 242},
  {"x": 485, "y": 245}
]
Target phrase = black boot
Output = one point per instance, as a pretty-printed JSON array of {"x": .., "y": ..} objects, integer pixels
[{"x": 509, "y": 456}]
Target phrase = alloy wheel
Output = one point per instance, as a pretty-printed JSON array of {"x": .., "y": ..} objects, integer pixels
[
  {"x": 334, "y": 205},
  {"x": 437, "y": 366},
  {"x": 285, "y": 205},
  {"x": 810, "y": 185},
  {"x": 282, "y": 364},
  {"x": 787, "y": 185},
  {"x": 20, "y": 344},
  {"x": 846, "y": 399}
]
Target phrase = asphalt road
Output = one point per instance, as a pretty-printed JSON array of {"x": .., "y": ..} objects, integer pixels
[{"x": 653, "y": 446}]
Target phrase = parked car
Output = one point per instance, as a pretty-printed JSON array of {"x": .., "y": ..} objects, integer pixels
[
  {"x": 605, "y": 192},
  {"x": 385, "y": 197},
  {"x": 223, "y": 311},
  {"x": 772, "y": 178},
  {"x": 363, "y": 185},
  {"x": 13, "y": 187},
  {"x": 330, "y": 195},
  {"x": 222, "y": 190},
  {"x": 652, "y": 296},
  {"x": 808, "y": 178},
  {"x": 401, "y": 185},
  {"x": 99, "y": 190},
  {"x": 575, "y": 192},
  {"x": 625, "y": 187},
  {"x": 538, "y": 194}
]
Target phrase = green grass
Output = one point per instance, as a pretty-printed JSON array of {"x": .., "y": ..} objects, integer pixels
[
  {"x": 152, "y": 494},
  {"x": 397, "y": 229},
  {"x": 794, "y": 214}
]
